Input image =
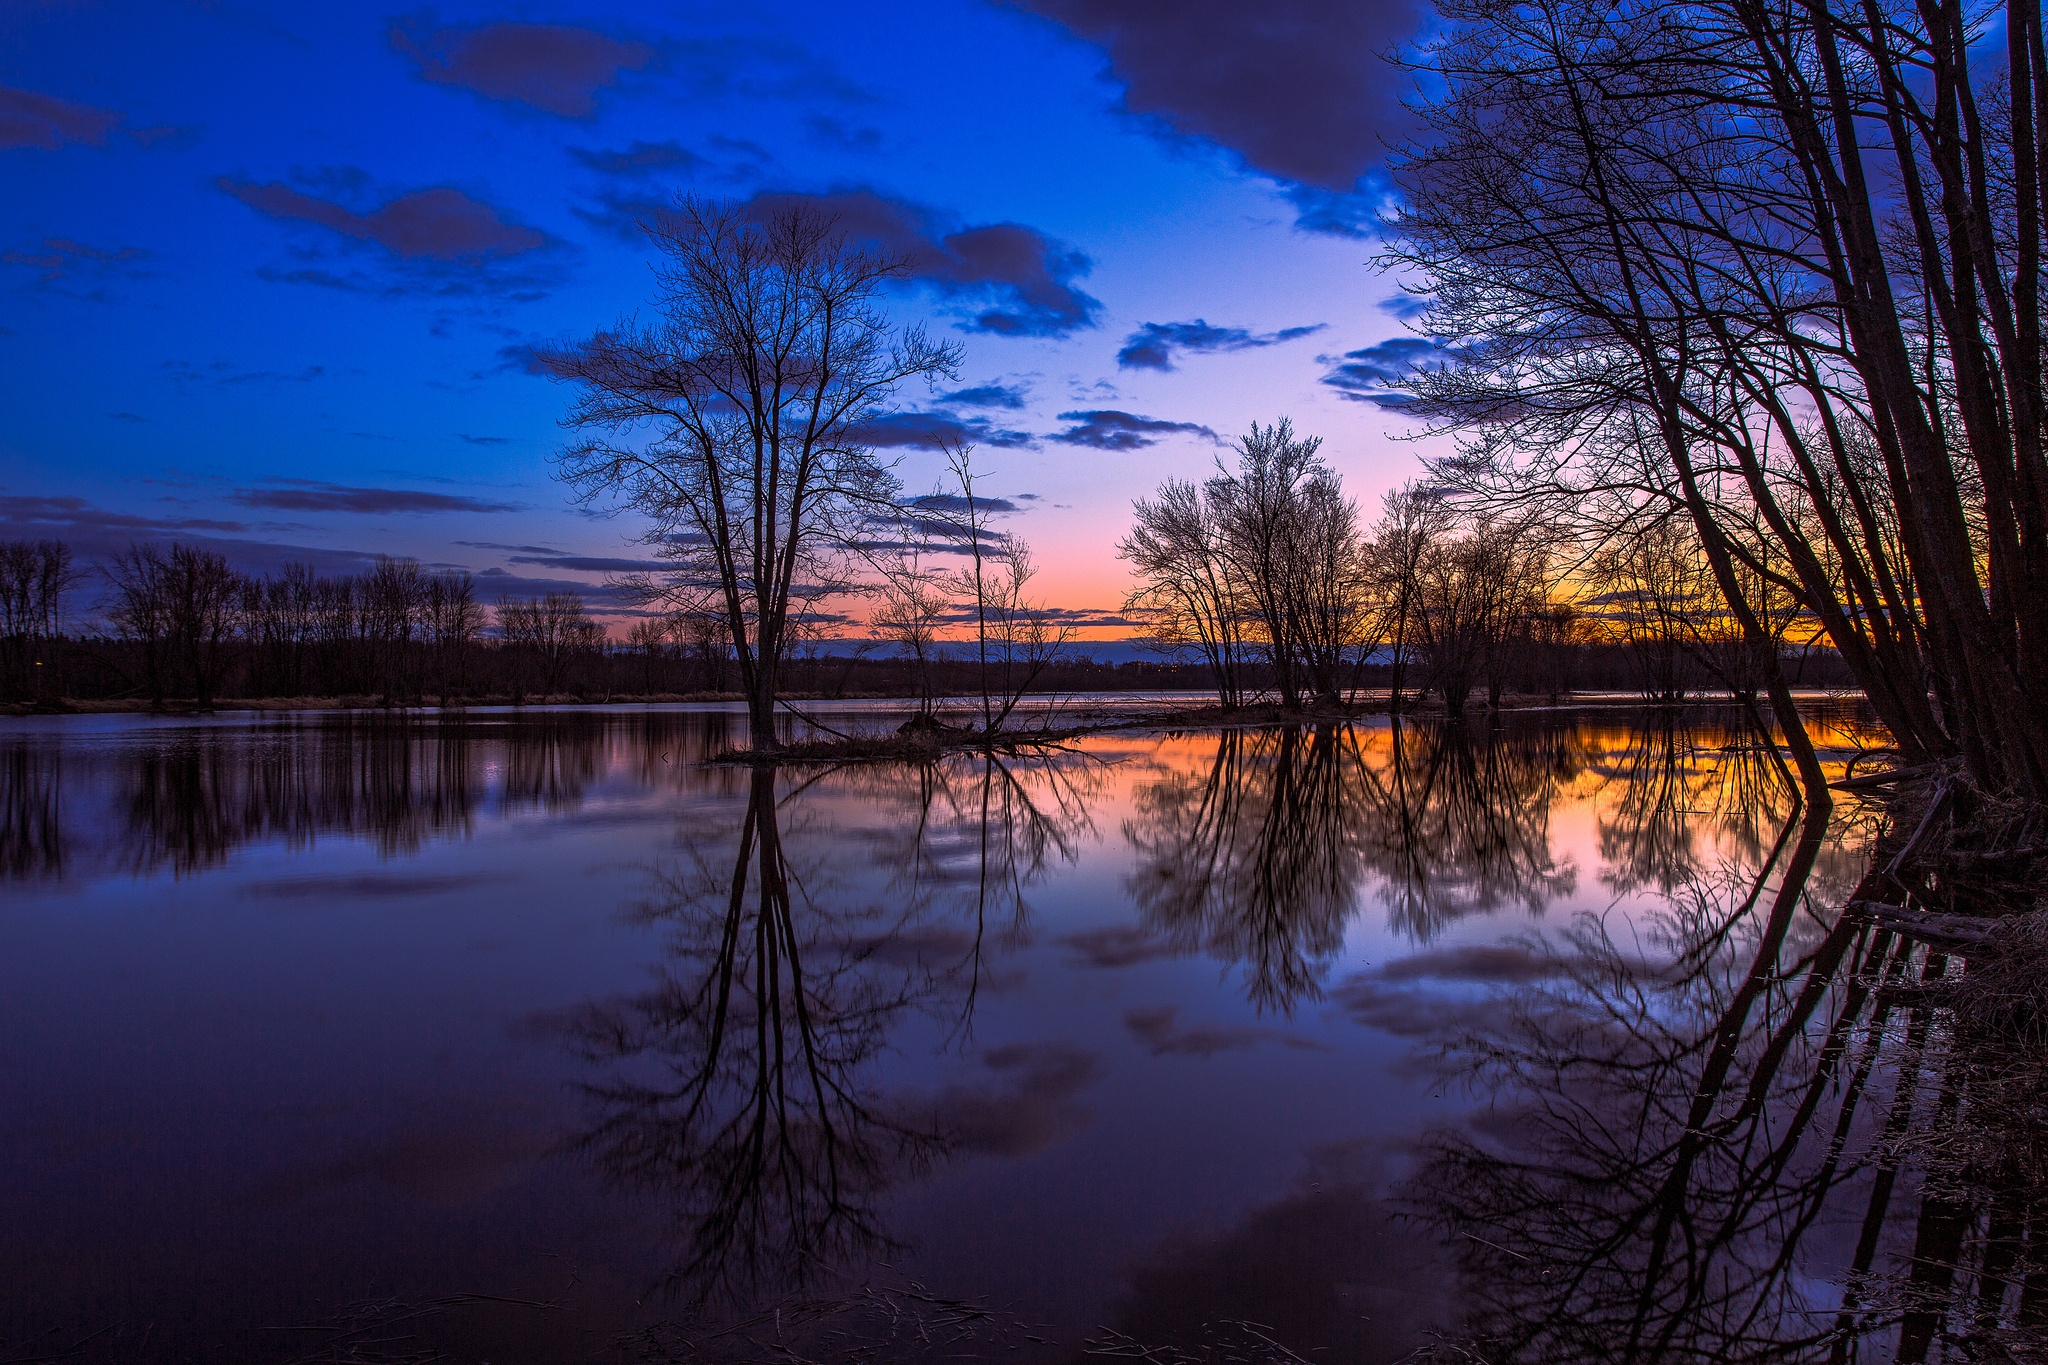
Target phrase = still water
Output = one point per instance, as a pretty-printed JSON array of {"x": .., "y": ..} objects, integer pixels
[{"x": 527, "y": 1036}]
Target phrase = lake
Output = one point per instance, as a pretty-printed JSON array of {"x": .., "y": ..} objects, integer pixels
[{"x": 528, "y": 1036}]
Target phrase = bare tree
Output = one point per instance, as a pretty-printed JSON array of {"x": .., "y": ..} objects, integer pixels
[
  {"x": 554, "y": 628},
  {"x": 769, "y": 353},
  {"x": 451, "y": 619},
  {"x": 1416, "y": 516},
  {"x": 35, "y": 575},
  {"x": 1185, "y": 589},
  {"x": 1014, "y": 637}
]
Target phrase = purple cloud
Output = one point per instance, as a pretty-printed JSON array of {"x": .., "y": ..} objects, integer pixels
[
  {"x": 440, "y": 224},
  {"x": 641, "y": 158},
  {"x": 305, "y": 495},
  {"x": 1107, "y": 429},
  {"x": 1151, "y": 347},
  {"x": 935, "y": 430},
  {"x": 1023, "y": 279},
  {"x": 558, "y": 68},
  {"x": 1295, "y": 87},
  {"x": 28, "y": 119}
]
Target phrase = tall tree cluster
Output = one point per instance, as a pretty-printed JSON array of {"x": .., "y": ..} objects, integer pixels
[
  {"x": 1771, "y": 267},
  {"x": 1266, "y": 559}
]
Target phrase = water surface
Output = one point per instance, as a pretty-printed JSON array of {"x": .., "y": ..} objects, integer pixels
[{"x": 529, "y": 1036}]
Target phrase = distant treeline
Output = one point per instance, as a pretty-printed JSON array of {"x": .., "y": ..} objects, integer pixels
[{"x": 173, "y": 623}]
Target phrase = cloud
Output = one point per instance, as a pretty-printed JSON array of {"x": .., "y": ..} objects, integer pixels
[
  {"x": 28, "y": 119},
  {"x": 1404, "y": 306},
  {"x": 495, "y": 585},
  {"x": 985, "y": 396},
  {"x": 1297, "y": 88},
  {"x": 557, "y": 68},
  {"x": 1363, "y": 375},
  {"x": 184, "y": 373},
  {"x": 1034, "y": 1111},
  {"x": 1421, "y": 1015},
  {"x": 520, "y": 358},
  {"x": 358, "y": 885},
  {"x": 639, "y": 159},
  {"x": 1151, "y": 347},
  {"x": 305, "y": 495},
  {"x": 1329, "y": 1272},
  {"x": 934, "y": 430},
  {"x": 1117, "y": 946},
  {"x": 468, "y": 439},
  {"x": 953, "y": 502},
  {"x": 1505, "y": 962},
  {"x": 1013, "y": 280},
  {"x": 441, "y": 223},
  {"x": 77, "y": 513},
  {"x": 1108, "y": 429},
  {"x": 98, "y": 534},
  {"x": 127, "y": 417},
  {"x": 591, "y": 564},
  {"x": 1155, "y": 1028},
  {"x": 520, "y": 549},
  {"x": 60, "y": 258},
  {"x": 837, "y": 135}
]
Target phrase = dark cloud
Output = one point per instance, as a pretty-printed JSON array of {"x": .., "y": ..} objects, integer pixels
[
  {"x": 1033, "y": 1111},
  {"x": 304, "y": 495},
  {"x": 1404, "y": 306},
  {"x": 1363, "y": 375},
  {"x": 1335, "y": 214},
  {"x": 1162, "y": 1036},
  {"x": 453, "y": 1152},
  {"x": 1428, "y": 1015},
  {"x": 591, "y": 564},
  {"x": 1505, "y": 962},
  {"x": 77, "y": 513},
  {"x": 28, "y": 119},
  {"x": 953, "y": 502},
  {"x": 985, "y": 396},
  {"x": 94, "y": 533},
  {"x": 1108, "y": 429},
  {"x": 640, "y": 159},
  {"x": 558, "y": 68},
  {"x": 440, "y": 224},
  {"x": 838, "y": 135},
  {"x": 495, "y": 585},
  {"x": 60, "y": 258},
  {"x": 185, "y": 373},
  {"x": 519, "y": 549},
  {"x": 934, "y": 430},
  {"x": 1330, "y": 1273},
  {"x": 1297, "y": 88},
  {"x": 127, "y": 417},
  {"x": 468, "y": 439},
  {"x": 1151, "y": 347},
  {"x": 354, "y": 886},
  {"x": 520, "y": 358},
  {"x": 1117, "y": 946},
  {"x": 1014, "y": 280}
]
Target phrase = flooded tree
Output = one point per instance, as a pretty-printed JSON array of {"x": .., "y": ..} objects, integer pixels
[{"x": 770, "y": 351}]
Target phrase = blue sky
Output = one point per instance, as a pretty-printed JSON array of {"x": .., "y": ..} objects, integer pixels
[{"x": 269, "y": 270}]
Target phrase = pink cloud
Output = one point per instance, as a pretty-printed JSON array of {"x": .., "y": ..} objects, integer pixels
[
  {"x": 438, "y": 223},
  {"x": 556, "y": 67},
  {"x": 28, "y": 119}
]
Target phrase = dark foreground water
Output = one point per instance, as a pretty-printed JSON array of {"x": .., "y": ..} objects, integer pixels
[{"x": 527, "y": 1037}]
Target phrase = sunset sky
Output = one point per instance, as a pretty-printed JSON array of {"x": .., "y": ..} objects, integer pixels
[{"x": 271, "y": 271}]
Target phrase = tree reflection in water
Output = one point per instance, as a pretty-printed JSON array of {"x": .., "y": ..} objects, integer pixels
[
  {"x": 742, "y": 1090},
  {"x": 1688, "y": 1158},
  {"x": 1259, "y": 860}
]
